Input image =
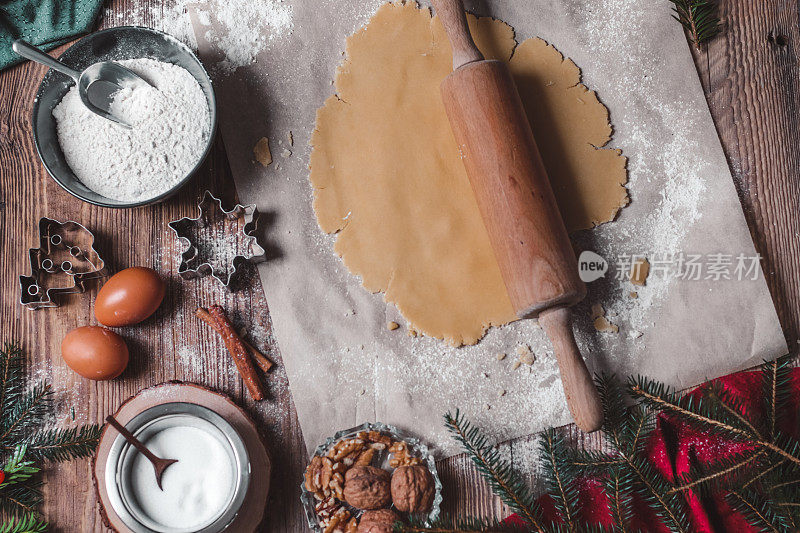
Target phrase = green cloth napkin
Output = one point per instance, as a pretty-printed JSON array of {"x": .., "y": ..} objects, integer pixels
[{"x": 43, "y": 23}]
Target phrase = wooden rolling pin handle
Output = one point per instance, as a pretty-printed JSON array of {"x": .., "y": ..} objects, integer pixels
[
  {"x": 582, "y": 397},
  {"x": 454, "y": 20}
]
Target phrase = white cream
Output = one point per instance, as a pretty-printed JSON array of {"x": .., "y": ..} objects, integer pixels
[{"x": 196, "y": 489}]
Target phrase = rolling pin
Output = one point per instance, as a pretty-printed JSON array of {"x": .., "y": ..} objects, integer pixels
[{"x": 516, "y": 202}]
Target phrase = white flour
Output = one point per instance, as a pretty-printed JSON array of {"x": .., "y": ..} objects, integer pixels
[
  {"x": 242, "y": 30},
  {"x": 171, "y": 127}
]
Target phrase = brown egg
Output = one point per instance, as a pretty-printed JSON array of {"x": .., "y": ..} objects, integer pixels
[
  {"x": 128, "y": 297},
  {"x": 95, "y": 352}
]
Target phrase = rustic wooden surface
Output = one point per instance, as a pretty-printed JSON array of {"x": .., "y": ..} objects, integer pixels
[{"x": 751, "y": 75}]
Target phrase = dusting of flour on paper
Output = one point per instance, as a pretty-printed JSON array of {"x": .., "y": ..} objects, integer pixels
[
  {"x": 660, "y": 232},
  {"x": 242, "y": 30}
]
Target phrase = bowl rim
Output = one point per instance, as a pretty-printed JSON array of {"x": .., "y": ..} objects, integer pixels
[
  {"x": 163, "y": 196},
  {"x": 120, "y": 448}
]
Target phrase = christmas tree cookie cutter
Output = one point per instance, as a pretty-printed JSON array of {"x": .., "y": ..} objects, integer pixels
[
  {"x": 219, "y": 241},
  {"x": 62, "y": 264}
]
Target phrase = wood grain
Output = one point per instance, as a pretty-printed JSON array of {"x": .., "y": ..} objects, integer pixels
[
  {"x": 751, "y": 76},
  {"x": 173, "y": 344},
  {"x": 511, "y": 187},
  {"x": 454, "y": 20}
]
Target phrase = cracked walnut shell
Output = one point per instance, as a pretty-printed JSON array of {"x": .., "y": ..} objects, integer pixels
[
  {"x": 367, "y": 487},
  {"x": 412, "y": 489},
  {"x": 379, "y": 521}
]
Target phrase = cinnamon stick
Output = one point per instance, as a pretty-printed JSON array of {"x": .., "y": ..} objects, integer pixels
[
  {"x": 238, "y": 351},
  {"x": 261, "y": 360}
]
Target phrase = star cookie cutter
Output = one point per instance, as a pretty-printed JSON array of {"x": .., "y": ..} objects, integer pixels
[
  {"x": 62, "y": 264},
  {"x": 219, "y": 241}
]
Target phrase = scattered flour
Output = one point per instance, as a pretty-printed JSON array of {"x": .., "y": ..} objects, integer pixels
[
  {"x": 171, "y": 126},
  {"x": 241, "y": 30},
  {"x": 172, "y": 19}
]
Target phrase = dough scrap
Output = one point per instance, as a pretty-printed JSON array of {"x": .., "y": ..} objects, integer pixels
[
  {"x": 262, "y": 153},
  {"x": 387, "y": 176},
  {"x": 601, "y": 323}
]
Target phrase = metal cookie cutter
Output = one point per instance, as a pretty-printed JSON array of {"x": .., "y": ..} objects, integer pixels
[
  {"x": 219, "y": 241},
  {"x": 64, "y": 261}
]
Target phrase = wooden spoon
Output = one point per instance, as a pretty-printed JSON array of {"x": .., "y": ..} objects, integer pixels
[{"x": 158, "y": 464}]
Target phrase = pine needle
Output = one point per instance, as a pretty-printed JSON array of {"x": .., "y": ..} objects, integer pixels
[
  {"x": 699, "y": 18},
  {"x": 25, "y": 440},
  {"x": 63, "y": 444},
  {"x": 763, "y": 480},
  {"x": 30, "y": 523},
  {"x": 502, "y": 478}
]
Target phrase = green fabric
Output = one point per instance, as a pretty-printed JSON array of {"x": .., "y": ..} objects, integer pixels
[{"x": 43, "y": 23}]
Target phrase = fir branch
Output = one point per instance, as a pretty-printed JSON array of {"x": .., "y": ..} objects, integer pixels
[
  {"x": 17, "y": 469},
  {"x": 502, "y": 478},
  {"x": 655, "y": 491},
  {"x": 699, "y": 18},
  {"x": 627, "y": 428},
  {"x": 707, "y": 414},
  {"x": 703, "y": 414},
  {"x": 776, "y": 386},
  {"x": 619, "y": 500},
  {"x": 616, "y": 424},
  {"x": 19, "y": 494},
  {"x": 562, "y": 491},
  {"x": 29, "y": 523},
  {"x": 22, "y": 498},
  {"x": 643, "y": 424},
  {"x": 722, "y": 473},
  {"x": 722, "y": 399},
  {"x": 758, "y": 511},
  {"x": 28, "y": 410},
  {"x": 56, "y": 444},
  {"x": 11, "y": 380},
  {"x": 639, "y": 475},
  {"x": 591, "y": 461}
]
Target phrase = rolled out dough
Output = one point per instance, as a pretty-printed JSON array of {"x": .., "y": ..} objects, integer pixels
[{"x": 388, "y": 178}]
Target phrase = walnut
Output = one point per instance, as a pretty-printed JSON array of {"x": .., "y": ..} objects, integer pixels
[
  {"x": 379, "y": 521},
  {"x": 367, "y": 487},
  {"x": 412, "y": 489},
  {"x": 400, "y": 456},
  {"x": 313, "y": 473},
  {"x": 365, "y": 458}
]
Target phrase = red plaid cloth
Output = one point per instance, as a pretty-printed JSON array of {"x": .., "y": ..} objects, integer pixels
[{"x": 673, "y": 448}]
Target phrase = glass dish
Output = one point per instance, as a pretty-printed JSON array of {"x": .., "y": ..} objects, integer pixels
[{"x": 415, "y": 447}]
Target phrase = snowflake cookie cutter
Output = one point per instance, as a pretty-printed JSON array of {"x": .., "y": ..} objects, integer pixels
[
  {"x": 219, "y": 241},
  {"x": 62, "y": 264}
]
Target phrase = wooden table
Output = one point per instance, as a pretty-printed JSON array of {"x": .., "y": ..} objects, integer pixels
[{"x": 751, "y": 75}]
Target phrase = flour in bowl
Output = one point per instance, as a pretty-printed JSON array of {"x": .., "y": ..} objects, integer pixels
[{"x": 171, "y": 126}]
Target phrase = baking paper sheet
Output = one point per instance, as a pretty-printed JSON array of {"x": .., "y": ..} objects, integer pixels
[{"x": 345, "y": 367}]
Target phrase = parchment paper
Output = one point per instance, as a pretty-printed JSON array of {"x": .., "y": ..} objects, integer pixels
[{"x": 345, "y": 367}]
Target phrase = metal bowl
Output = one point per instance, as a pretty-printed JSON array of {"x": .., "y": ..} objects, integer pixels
[
  {"x": 125, "y": 42},
  {"x": 149, "y": 422}
]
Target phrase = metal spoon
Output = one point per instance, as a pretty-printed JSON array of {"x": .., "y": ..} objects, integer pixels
[
  {"x": 159, "y": 464},
  {"x": 96, "y": 85}
]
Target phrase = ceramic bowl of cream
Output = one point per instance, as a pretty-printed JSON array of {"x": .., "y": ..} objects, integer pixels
[
  {"x": 126, "y": 43},
  {"x": 202, "y": 492}
]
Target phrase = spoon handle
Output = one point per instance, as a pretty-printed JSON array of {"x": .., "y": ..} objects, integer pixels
[
  {"x": 131, "y": 439},
  {"x": 34, "y": 54}
]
